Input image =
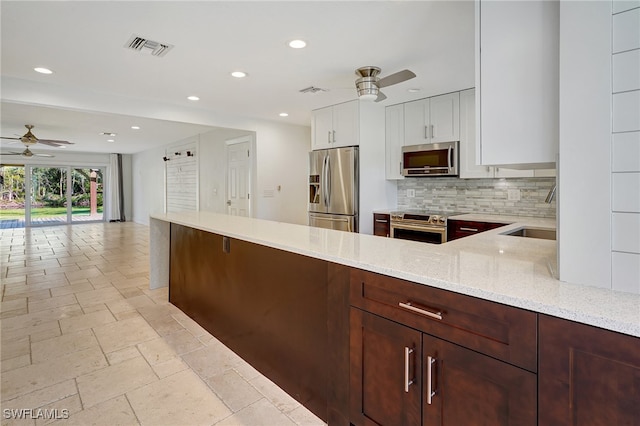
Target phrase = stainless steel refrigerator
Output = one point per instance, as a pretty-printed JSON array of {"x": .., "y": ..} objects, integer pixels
[{"x": 333, "y": 188}]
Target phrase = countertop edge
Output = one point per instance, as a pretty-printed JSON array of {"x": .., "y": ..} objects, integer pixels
[{"x": 592, "y": 296}]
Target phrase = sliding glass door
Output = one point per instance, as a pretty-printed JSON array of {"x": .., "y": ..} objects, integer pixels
[
  {"x": 12, "y": 196},
  {"x": 47, "y": 195},
  {"x": 86, "y": 196}
]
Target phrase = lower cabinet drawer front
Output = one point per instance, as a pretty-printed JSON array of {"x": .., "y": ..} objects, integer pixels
[{"x": 503, "y": 332}]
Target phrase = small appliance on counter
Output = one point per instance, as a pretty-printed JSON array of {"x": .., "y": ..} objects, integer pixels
[{"x": 333, "y": 188}]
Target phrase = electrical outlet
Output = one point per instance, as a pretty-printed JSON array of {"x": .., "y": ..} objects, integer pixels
[
  {"x": 513, "y": 195},
  {"x": 411, "y": 193}
]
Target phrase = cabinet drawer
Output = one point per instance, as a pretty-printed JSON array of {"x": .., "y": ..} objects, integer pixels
[
  {"x": 503, "y": 332},
  {"x": 463, "y": 228}
]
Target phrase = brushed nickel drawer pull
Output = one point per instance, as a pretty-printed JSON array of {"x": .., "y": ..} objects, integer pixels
[
  {"x": 409, "y": 306},
  {"x": 407, "y": 382},
  {"x": 430, "y": 392},
  {"x": 469, "y": 229}
]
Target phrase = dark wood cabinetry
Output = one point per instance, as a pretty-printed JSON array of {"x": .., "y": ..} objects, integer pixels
[
  {"x": 272, "y": 308},
  {"x": 464, "y": 228},
  {"x": 421, "y": 356},
  {"x": 588, "y": 376},
  {"x": 381, "y": 224}
]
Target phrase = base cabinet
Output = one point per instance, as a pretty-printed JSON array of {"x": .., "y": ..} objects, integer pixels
[
  {"x": 423, "y": 356},
  {"x": 381, "y": 224},
  {"x": 587, "y": 376},
  {"x": 400, "y": 376}
]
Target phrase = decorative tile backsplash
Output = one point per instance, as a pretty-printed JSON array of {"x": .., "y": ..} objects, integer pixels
[{"x": 479, "y": 195}]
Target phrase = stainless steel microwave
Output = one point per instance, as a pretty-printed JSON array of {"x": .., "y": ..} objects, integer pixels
[{"x": 430, "y": 159}]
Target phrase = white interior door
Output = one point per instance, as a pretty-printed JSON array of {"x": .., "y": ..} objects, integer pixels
[{"x": 238, "y": 179}]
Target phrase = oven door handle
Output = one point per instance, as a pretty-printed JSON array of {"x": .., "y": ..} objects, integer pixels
[{"x": 438, "y": 229}]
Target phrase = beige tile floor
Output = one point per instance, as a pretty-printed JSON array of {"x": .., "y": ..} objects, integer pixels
[{"x": 83, "y": 337}]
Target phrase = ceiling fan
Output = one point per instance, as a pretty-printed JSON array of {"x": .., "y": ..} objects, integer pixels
[
  {"x": 30, "y": 139},
  {"x": 369, "y": 84},
  {"x": 28, "y": 154}
]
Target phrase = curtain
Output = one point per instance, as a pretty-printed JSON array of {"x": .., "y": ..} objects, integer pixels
[{"x": 115, "y": 197}]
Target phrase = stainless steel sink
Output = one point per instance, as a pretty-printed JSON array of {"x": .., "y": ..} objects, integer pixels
[{"x": 542, "y": 233}]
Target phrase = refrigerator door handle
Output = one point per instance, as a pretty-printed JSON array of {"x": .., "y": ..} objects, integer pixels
[
  {"x": 324, "y": 181},
  {"x": 328, "y": 181}
]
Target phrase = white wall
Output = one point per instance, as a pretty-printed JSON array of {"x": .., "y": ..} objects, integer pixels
[
  {"x": 625, "y": 149},
  {"x": 375, "y": 191},
  {"x": 584, "y": 179},
  {"x": 281, "y": 160},
  {"x": 147, "y": 183}
]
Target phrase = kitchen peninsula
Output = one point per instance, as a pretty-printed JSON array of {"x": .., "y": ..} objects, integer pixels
[{"x": 493, "y": 296}]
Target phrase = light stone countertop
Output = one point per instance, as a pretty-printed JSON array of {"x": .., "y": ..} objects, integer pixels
[{"x": 515, "y": 271}]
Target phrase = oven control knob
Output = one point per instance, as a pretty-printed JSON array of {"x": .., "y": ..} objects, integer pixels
[
  {"x": 433, "y": 220},
  {"x": 441, "y": 220}
]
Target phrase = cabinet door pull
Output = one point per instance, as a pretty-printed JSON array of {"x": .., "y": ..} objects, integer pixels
[
  {"x": 469, "y": 229},
  {"x": 432, "y": 131},
  {"x": 409, "y": 306},
  {"x": 334, "y": 136},
  {"x": 407, "y": 382},
  {"x": 329, "y": 136},
  {"x": 382, "y": 221},
  {"x": 430, "y": 392},
  {"x": 426, "y": 132}
]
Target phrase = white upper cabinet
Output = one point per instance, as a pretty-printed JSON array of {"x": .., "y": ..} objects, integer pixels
[
  {"x": 394, "y": 140},
  {"x": 432, "y": 120},
  {"x": 335, "y": 126},
  {"x": 517, "y": 82},
  {"x": 469, "y": 167},
  {"x": 445, "y": 117}
]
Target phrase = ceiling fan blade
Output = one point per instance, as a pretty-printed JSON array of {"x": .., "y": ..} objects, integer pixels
[
  {"x": 52, "y": 142},
  {"x": 381, "y": 97},
  {"x": 12, "y": 153},
  {"x": 2, "y": 137},
  {"x": 396, "y": 78},
  {"x": 43, "y": 155}
]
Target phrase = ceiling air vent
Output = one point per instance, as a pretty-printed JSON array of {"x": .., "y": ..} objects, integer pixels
[
  {"x": 312, "y": 89},
  {"x": 155, "y": 48}
]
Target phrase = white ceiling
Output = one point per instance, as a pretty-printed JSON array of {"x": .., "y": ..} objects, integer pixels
[{"x": 83, "y": 43}]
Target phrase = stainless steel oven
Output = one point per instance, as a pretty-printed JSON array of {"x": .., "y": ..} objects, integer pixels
[{"x": 419, "y": 226}]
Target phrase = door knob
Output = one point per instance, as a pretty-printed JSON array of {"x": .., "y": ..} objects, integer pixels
[{"x": 228, "y": 202}]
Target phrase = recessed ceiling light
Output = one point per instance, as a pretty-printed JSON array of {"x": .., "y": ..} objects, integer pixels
[
  {"x": 297, "y": 44},
  {"x": 43, "y": 70},
  {"x": 62, "y": 146},
  {"x": 111, "y": 140},
  {"x": 193, "y": 98},
  {"x": 239, "y": 74},
  {"x": 135, "y": 127},
  {"x": 413, "y": 90},
  {"x": 284, "y": 114},
  {"x": 107, "y": 134}
]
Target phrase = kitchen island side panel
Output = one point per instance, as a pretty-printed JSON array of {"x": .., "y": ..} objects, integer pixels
[{"x": 267, "y": 305}]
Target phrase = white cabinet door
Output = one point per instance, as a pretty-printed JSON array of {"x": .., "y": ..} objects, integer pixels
[
  {"x": 444, "y": 113},
  {"x": 469, "y": 168},
  {"x": 321, "y": 128},
  {"x": 346, "y": 124},
  {"x": 394, "y": 139},
  {"x": 517, "y": 76},
  {"x": 416, "y": 122}
]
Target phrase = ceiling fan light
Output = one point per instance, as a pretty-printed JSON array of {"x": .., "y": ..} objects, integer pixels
[
  {"x": 42, "y": 70},
  {"x": 368, "y": 97}
]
